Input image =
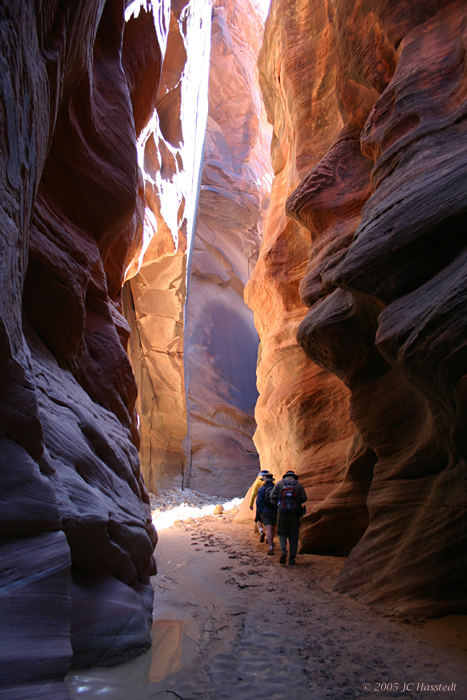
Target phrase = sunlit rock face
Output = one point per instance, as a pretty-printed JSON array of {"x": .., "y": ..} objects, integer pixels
[
  {"x": 170, "y": 153},
  {"x": 77, "y": 539},
  {"x": 382, "y": 197},
  {"x": 221, "y": 342}
]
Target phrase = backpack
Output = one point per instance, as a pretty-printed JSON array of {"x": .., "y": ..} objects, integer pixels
[
  {"x": 267, "y": 497},
  {"x": 288, "y": 500}
]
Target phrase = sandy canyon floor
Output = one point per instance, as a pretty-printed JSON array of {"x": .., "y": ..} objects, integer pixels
[{"x": 231, "y": 623}]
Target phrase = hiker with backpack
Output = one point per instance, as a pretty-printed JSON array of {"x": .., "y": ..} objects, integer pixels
[
  {"x": 267, "y": 510},
  {"x": 258, "y": 482},
  {"x": 289, "y": 495}
]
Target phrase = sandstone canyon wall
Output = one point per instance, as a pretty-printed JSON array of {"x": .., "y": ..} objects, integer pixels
[
  {"x": 368, "y": 103},
  {"x": 76, "y": 548},
  {"x": 170, "y": 151},
  {"x": 221, "y": 341}
]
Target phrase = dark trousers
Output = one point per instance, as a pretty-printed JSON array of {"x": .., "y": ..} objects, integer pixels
[
  {"x": 293, "y": 544},
  {"x": 288, "y": 527}
]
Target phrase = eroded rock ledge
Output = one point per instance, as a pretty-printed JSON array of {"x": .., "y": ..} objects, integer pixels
[{"x": 367, "y": 101}]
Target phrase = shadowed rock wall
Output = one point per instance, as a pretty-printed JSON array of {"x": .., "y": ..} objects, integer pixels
[
  {"x": 220, "y": 338},
  {"x": 76, "y": 535},
  {"x": 381, "y": 194}
]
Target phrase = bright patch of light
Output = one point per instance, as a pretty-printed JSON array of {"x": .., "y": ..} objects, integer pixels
[
  {"x": 133, "y": 9},
  {"x": 263, "y": 6},
  {"x": 194, "y": 106},
  {"x": 163, "y": 519}
]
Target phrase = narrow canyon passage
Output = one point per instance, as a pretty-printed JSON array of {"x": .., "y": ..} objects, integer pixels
[
  {"x": 231, "y": 623},
  {"x": 232, "y": 239}
]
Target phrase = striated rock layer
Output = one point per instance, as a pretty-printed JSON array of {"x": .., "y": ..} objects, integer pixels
[
  {"x": 380, "y": 190},
  {"x": 76, "y": 535},
  {"x": 221, "y": 342}
]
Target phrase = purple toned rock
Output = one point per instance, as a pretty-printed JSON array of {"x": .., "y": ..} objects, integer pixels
[{"x": 75, "y": 503}]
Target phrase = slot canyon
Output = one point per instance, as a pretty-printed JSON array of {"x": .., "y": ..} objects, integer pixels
[{"x": 231, "y": 240}]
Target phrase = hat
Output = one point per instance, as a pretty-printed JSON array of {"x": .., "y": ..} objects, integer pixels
[
  {"x": 263, "y": 471},
  {"x": 290, "y": 472},
  {"x": 267, "y": 476}
]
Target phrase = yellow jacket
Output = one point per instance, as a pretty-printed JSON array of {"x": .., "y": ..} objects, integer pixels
[{"x": 256, "y": 487}]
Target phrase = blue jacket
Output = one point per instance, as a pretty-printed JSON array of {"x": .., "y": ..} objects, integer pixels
[{"x": 261, "y": 498}]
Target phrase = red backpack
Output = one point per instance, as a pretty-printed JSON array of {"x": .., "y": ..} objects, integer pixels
[{"x": 288, "y": 500}]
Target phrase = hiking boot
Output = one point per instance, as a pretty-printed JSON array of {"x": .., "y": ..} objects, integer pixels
[
  {"x": 271, "y": 550},
  {"x": 262, "y": 537},
  {"x": 291, "y": 562},
  {"x": 283, "y": 558}
]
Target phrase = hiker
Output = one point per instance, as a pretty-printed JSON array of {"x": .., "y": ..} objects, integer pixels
[
  {"x": 289, "y": 495},
  {"x": 256, "y": 487},
  {"x": 267, "y": 510}
]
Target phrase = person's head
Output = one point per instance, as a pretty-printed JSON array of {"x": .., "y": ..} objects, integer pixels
[
  {"x": 269, "y": 477},
  {"x": 290, "y": 474},
  {"x": 263, "y": 472}
]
